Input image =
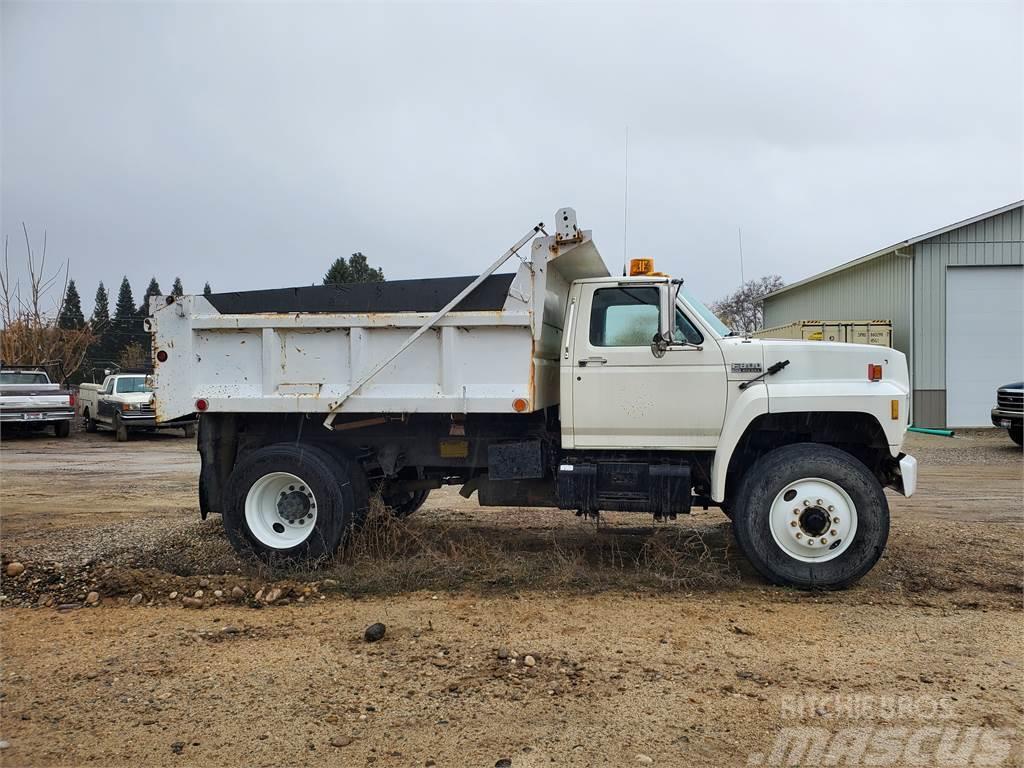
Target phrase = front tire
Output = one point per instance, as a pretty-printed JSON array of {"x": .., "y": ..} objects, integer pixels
[
  {"x": 811, "y": 516},
  {"x": 1017, "y": 435},
  {"x": 120, "y": 430},
  {"x": 293, "y": 502}
]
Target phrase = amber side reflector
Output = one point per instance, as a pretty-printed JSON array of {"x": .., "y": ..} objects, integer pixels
[
  {"x": 895, "y": 409},
  {"x": 519, "y": 405},
  {"x": 874, "y": 372}
]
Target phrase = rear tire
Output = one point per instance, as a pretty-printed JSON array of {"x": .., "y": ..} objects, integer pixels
[
  {"x": 404, "y": 504},
  {"x": 293, "y": 502},
  {"x": 62, "y": 428},
  {"x": 811, "y": 516},
  {"x": 1017, "y": 435},
  {"x": 90, "y": 423}
]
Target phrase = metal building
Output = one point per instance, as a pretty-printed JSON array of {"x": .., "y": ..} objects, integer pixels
[{"x": 955, "y": 297}]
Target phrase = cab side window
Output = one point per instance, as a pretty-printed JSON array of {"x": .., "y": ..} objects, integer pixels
[
  {"x": 628, "y": 317},
  {"x": 623, "y": 317}
]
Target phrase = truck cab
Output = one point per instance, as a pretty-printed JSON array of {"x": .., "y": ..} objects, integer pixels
[{"x": 558, "y": 386}]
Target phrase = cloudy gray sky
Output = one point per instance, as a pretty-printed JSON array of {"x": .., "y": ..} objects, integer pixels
[{"x": 249, "y": 144}]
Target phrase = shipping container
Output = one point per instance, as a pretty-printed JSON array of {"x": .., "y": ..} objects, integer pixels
[{"x": 877, "y": 332}]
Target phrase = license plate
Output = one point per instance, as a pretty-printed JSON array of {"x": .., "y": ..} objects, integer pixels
[{"x": 33, "y": 417}]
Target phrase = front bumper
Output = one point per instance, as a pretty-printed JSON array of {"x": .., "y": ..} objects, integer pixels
[
  {"x": 904, "y": 480},
  {"x": 138, "y": 421},
  {"x": 35, "y": 417},
  {"x": 1006, "y": 419},
  {"x": 148, "y": 421}
]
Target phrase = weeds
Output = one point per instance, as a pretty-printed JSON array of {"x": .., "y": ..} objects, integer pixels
[{"x": 389, "y": 555}]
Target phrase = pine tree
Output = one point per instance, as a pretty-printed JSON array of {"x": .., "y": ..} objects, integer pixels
[
  {"x": 126, "y": 318},
  {"x": 356, "y": 269},
  {"x": 101, "y": 351},
  {"x": 338, "y": 273},
  {"x": 101, "y": 310},
  {"x": 207, "y": 291},
  {"x": 360, "y": 270},
  {"x": 153, "y": 289},
  {"x": 125, "y": 307},
  {"x": 178, "y": 290},
  {"x": 71, "y": 316}
]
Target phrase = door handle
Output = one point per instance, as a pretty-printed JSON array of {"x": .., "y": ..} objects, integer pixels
[{"x": 592, "y": 361}]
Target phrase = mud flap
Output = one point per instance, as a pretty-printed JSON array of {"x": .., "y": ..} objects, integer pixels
[{"x": 904, "y": 480}]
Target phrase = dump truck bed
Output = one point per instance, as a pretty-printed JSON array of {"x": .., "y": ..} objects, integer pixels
[{"x": 305, "y": 349}]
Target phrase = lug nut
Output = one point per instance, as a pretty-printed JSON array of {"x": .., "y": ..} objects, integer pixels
[
  {"x": 796, "y": 511},
  {"x": 807, "y": 502},
  {"x": 831, "y": 508},
  {"x": 832, "y": 532},
  {"x": 793, "y": 523},
  {"x": 820, "y": 502},
  {"x": 835, "y": 520},
  {"x": 824, "y": 540},
  {"x": 799, "y": 535}
]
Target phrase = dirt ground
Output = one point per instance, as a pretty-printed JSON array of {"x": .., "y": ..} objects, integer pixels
[{"x": 650, "y": 644}]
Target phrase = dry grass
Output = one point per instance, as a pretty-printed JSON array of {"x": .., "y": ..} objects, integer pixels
[{"x": 387, "y": 555}]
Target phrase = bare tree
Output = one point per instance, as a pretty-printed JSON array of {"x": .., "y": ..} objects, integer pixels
[
  {"x": 31, "y": 334},
  {"x": 743, "y": 310}
]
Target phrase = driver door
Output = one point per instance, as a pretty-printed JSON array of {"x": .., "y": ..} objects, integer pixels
[
  {"x": 104, "y": 400},
  {"x": 624, "y": 396}
]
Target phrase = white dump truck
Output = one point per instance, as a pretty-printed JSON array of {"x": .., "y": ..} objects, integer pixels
[{"x": 559, "y": 386}]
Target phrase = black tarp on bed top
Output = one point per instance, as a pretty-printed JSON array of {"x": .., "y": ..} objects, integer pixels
[{"x": 428, "y": 295}]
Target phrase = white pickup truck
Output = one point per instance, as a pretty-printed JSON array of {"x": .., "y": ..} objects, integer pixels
[
  {"x": 29, "y": 400},
  {"x": 124, "y": 403},
  {"x": 560, "y": 385}
]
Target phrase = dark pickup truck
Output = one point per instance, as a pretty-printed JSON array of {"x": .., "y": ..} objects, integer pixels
[
  {"x": 1009, "y": 410},
  {"x": 29, "y": 400}
]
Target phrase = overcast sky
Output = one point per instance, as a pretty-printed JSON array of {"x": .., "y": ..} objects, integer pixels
[{"x": 250, "y": 144}]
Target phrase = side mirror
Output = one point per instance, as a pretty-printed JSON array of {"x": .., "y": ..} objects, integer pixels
[
  {"x": 665, "y": 338},
  {"x": 658, "y": 345},
  {"x": 666, "y": 314}
]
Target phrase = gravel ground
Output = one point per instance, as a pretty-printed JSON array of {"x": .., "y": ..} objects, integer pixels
[{"x": 646, "y": 640}]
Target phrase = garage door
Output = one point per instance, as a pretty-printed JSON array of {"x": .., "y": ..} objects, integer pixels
[{"x": 984, "y": 333}]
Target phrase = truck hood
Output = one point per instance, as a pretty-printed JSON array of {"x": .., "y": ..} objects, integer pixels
[
  {"x": 132, "y": 397},
  {"x": 817, "y": 361}
]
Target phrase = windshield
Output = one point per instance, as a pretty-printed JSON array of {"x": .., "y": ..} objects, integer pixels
[
  {"x": 706, "y": 314},
  {"x": 23, "y": 377},
  {"x": 128, "y": 384}
]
